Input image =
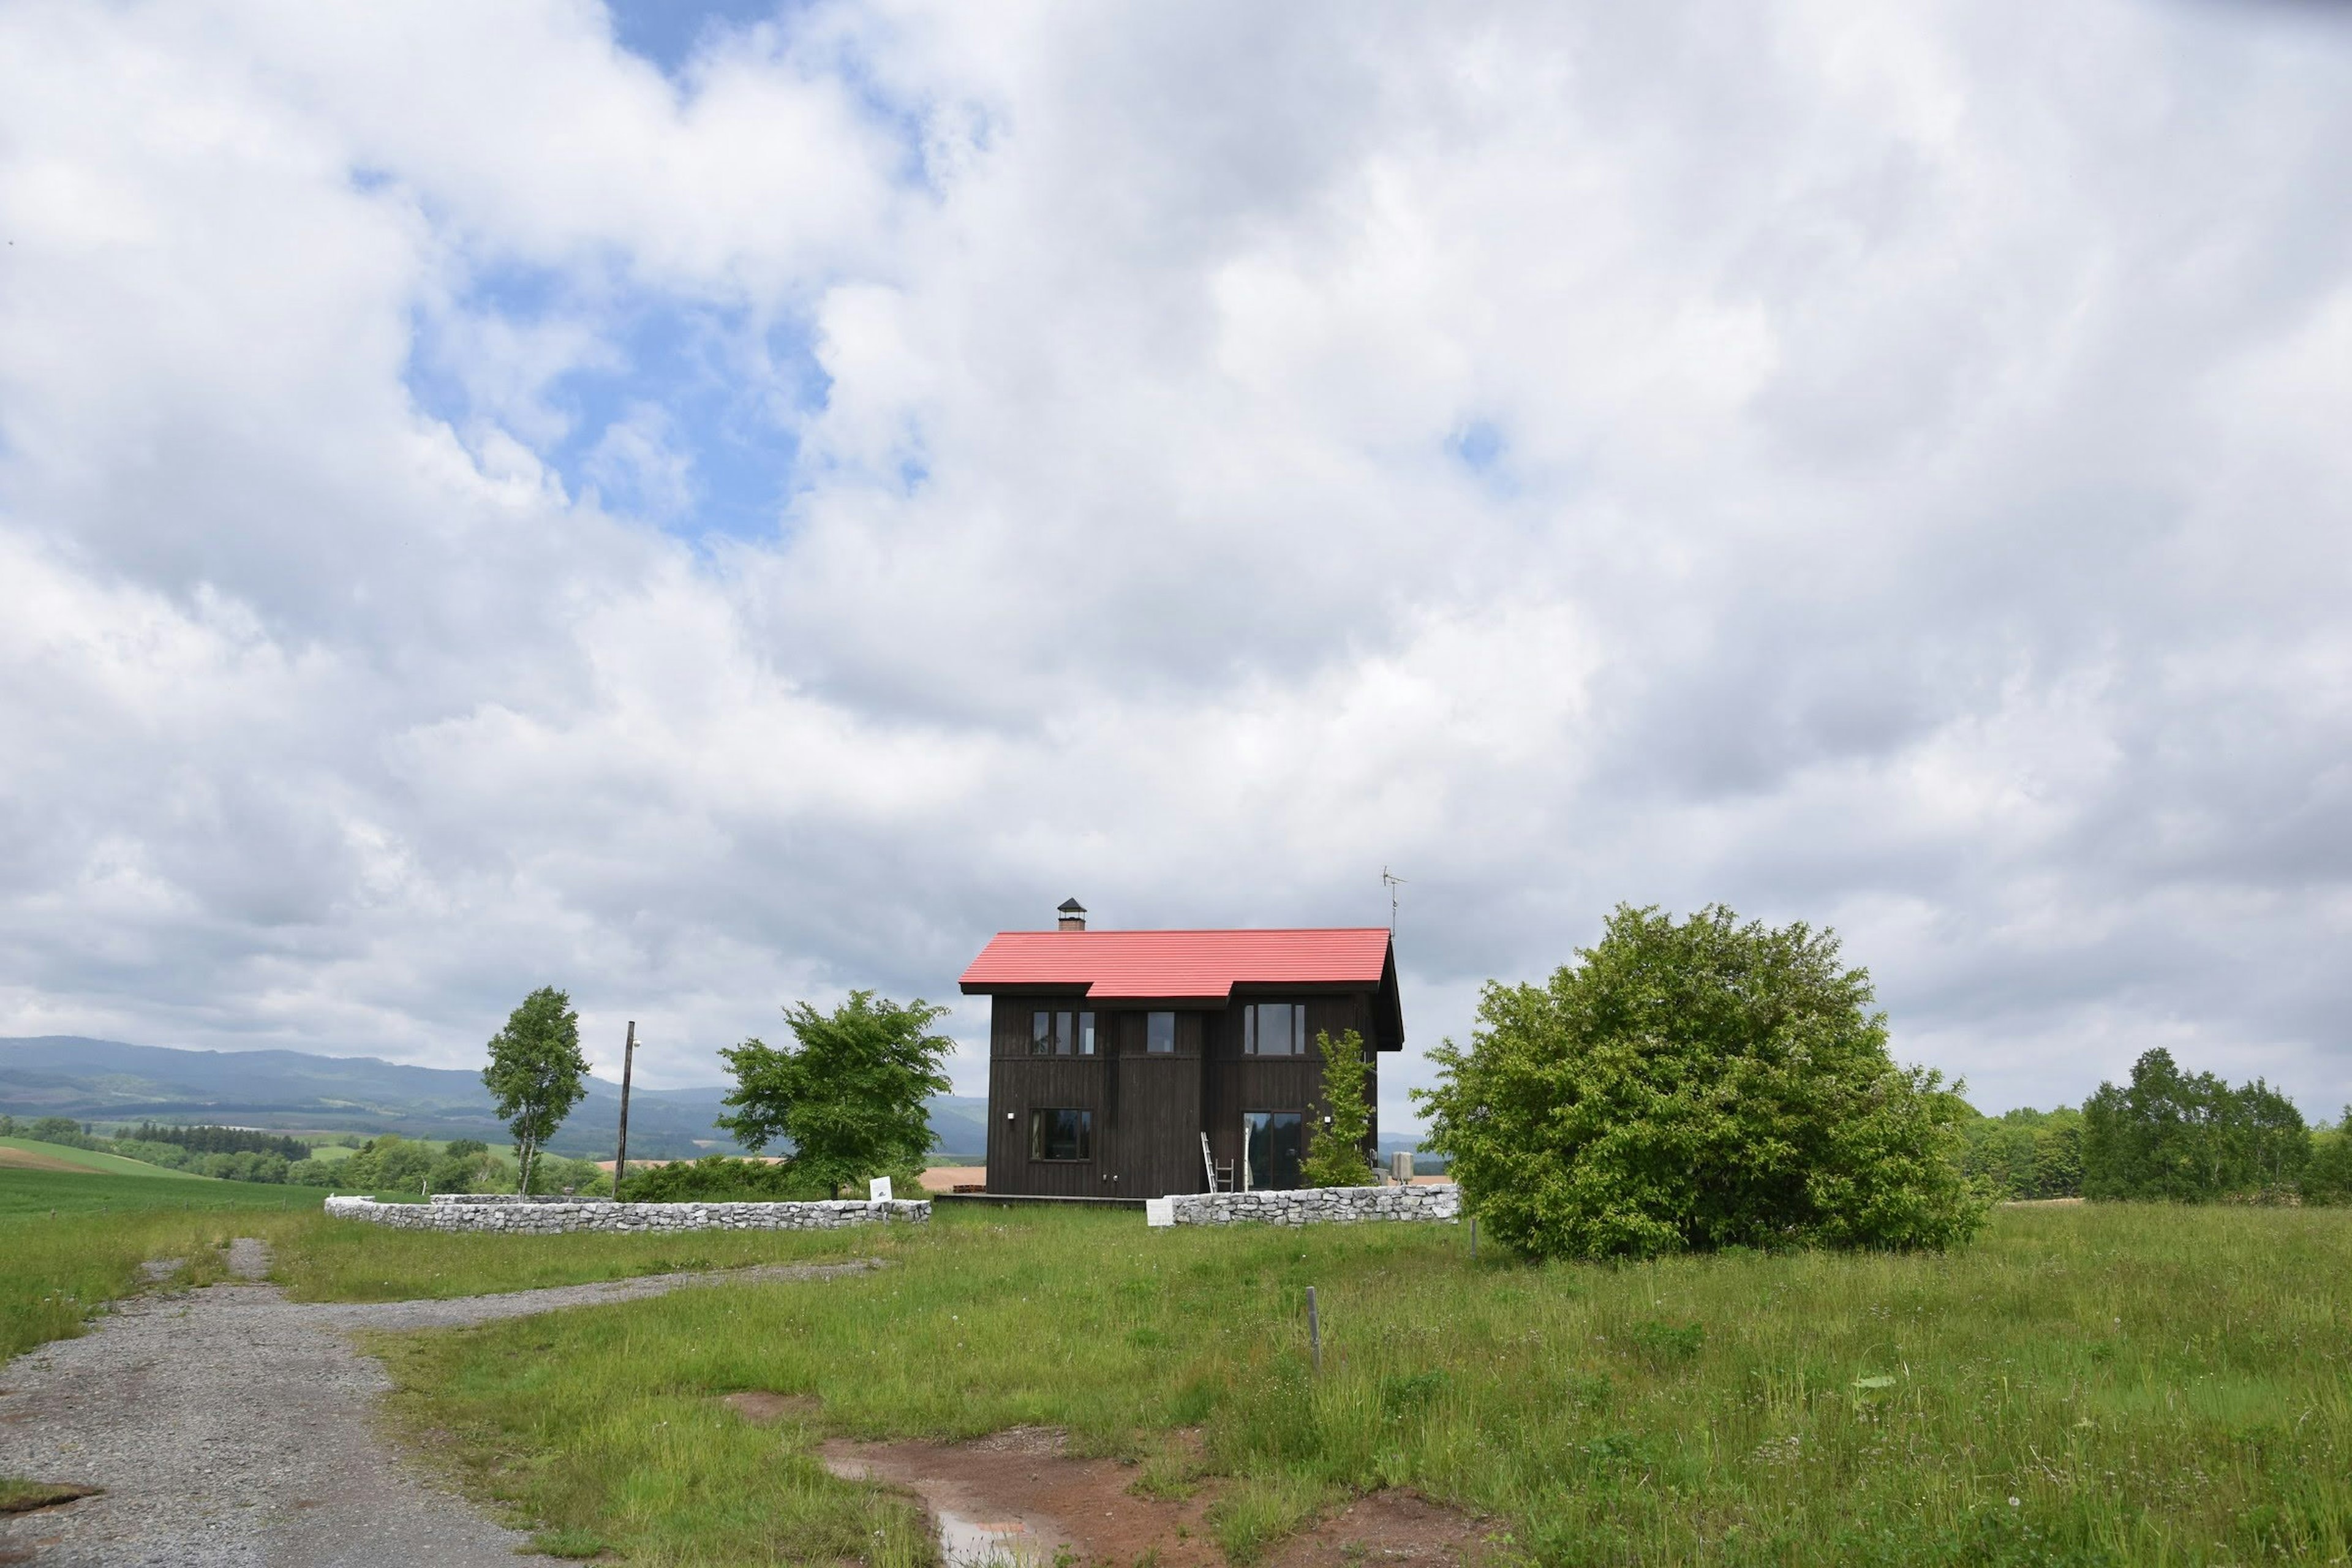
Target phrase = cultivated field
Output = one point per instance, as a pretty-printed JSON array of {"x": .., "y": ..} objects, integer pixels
[{"x": 2085, "y": 1384}]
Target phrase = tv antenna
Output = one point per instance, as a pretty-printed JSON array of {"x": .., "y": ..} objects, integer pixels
[{"x": 1392, "y": 883}]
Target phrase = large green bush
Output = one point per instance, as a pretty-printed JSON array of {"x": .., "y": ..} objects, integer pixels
[
  {"x": 2327, "y": 1175},
  {"x": 1698, "y": 1085},
  {"x": 717, "y": 1178}
]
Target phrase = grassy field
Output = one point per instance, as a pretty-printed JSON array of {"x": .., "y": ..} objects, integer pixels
[
  {"x": 2087, "y": 1384},
  {"x": 34, "y": 1154}
]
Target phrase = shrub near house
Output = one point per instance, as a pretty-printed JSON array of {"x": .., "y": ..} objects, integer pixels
[{"x": 1697, "y": 1085}]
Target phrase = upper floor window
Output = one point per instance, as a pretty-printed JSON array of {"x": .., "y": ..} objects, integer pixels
[
  {"x": 1274, "y": 1029},
  {"x": 1061, "y": 1033},
  {"x": 1159, "y": 1031}
]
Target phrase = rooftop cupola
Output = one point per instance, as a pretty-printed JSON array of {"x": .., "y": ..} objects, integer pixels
[{"x": 1072, "y": 915}]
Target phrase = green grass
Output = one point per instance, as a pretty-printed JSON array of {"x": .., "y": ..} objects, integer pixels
[
  {"x": 345, "y": 1260},
  {"x": 18, "y": 1496},
  {"x": 2150, "y": 1385}
]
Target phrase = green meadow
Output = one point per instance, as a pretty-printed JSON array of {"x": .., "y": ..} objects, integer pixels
[{"x": 2085, "y": 1384}]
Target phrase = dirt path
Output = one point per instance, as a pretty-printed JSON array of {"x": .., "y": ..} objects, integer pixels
[{"x": 231, "y": 1426}]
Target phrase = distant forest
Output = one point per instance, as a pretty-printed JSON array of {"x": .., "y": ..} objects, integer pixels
[{"x": 220, "y": 1141}]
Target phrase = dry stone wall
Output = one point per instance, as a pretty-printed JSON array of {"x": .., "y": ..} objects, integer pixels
[
  {"x": 1309, "y": 1206},
  {"x": 540, "y": 1217}
]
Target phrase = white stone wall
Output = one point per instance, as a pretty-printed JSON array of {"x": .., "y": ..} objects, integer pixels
[
  {"x": 543, "y": 1218},
  {"x": 1309, "y": 1206}
]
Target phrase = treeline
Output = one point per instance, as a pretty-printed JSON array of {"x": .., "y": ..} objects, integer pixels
[
  {"x": 392, "y": 1164},
  {"x": 2167, "y": 1136},
  {"x": 2180, "y": 1137},
  {"x": 2026, "y": 1153},
  {"x": 51, "y": 1130},
  {"x": 218, "y": 1140}
]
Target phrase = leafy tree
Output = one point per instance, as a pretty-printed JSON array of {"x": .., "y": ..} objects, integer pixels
[
  {"x": 311, "y": 1173},
  {"x": 462, "y": 1148},
  {"x": 59, "y": 1130},
  {"x": 2025, "y": 1153},
  {"x": 848, "y": 1095},
  {"x": 537, "y": 1073},
  {"x": 2328, "y": 1176},
  {"x": 2058, "y": 1156},
  {"x": 1694, "y": 1086},
  {"x": 1335, "y": 1151},
  {"x": 2178, "y": 1137},
  {"x": 390, "y": 1163}
]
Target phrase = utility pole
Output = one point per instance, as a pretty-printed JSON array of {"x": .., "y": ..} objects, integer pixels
[{"x": 628, "y": 1059}]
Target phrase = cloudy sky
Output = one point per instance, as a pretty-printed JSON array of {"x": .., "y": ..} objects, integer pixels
[{"x": 713, "y": 508}]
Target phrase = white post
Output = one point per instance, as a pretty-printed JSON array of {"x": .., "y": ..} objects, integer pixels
[{"x": 1245, "y": 1169}]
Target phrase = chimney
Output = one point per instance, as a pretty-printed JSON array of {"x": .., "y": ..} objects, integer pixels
[{"x": 1073, "y": 915}]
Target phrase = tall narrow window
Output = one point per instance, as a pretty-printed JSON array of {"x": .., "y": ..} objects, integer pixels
[
  {"x": 1274, "y": 1029},
  {"x": 1086, "y": 1033},
  {"x": 1061, "y": 1134},
  {"x": 1159, "y": 1031}
]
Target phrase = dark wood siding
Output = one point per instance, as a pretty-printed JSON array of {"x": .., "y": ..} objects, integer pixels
[
  {"x": 1150, "y": 1111},
  {"x": 1238, "y": 1084}
]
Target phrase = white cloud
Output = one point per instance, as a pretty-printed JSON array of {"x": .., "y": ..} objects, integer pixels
[{"x": 1905, "y": 493}]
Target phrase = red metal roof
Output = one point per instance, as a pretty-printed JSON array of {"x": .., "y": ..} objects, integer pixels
[{"x": 1180, "y": 963}]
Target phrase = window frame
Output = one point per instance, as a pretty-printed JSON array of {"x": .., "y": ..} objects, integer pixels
[
  {"x": 1253, "y": 1033},
  {"x": 1150, "y": 1046},
  {"x": 1084, "y": 1132},
  {"x": 1063, "y": 1032}
]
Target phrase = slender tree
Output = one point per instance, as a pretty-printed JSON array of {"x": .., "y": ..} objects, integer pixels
[
  {"x": 1335, "y": 1149},
  {"x": 537, "y": 1073}
]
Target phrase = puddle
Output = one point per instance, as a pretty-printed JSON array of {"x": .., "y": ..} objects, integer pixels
[
  {"x": 976, "y": 1543},
  {"x": 1017, "y": 1500}
]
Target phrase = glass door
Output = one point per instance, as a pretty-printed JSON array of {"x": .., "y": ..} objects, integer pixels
[{"x": 1275, "y": 1141}]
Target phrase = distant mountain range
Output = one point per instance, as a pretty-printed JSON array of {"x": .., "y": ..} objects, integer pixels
[{"x": 106, "y": 1080}]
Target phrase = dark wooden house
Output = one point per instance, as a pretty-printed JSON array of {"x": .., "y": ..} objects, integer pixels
[{"x": 1113, "y": 1052}]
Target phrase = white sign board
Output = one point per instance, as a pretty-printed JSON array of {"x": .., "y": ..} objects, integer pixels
[
  {"x": 1159, "y": 1211},
  {"x": 877, "y": 1191}
]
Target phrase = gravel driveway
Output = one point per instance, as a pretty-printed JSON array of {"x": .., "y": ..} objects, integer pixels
[{"x": 230, "y": 1425}]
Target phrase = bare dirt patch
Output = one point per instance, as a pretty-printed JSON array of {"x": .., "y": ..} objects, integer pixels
[
  {"x": 764, "y": 1409},
  {"x": 1395, "y": 1527},
  {"x": 29, "y": 1160},
  {"x": 1018, "y": 1495}
]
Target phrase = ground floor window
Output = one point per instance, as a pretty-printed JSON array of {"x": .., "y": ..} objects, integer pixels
[
  {"x": 1277, "y": 1141},
  {"x": 1061, "y": 1135}
]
